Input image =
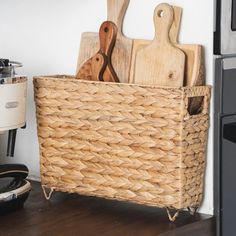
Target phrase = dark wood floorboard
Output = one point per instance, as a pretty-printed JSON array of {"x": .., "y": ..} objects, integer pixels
[{"x": 74, "y": 215}]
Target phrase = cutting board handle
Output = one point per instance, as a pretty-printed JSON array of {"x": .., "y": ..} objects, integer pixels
[
  {"x": 116, "y": 10},
  {"x": 175, "y": 28},
  {"x": 163, "y": 20},
  {"x": 98, "y": 66},
  {"x": 107, "y": 36}
]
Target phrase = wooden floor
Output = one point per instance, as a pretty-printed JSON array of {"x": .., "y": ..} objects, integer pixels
[{"x": 71, "y": 215}]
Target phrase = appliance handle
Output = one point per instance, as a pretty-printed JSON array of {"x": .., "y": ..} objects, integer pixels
[
  {"x": 229, "y": 63},
  {"x": 16, "y": 63}
]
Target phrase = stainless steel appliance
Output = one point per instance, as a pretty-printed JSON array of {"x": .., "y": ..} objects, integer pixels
[
  {"x": 225, "y": 145},
  {"x": 225, "y": 27},
  {"x": 225, "y": 117}
]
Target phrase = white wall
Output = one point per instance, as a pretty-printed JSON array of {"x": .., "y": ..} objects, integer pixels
[{"x": 45, "y": 36}]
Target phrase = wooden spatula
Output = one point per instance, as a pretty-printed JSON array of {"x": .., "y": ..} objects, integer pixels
[
  {"x": 121, "y": 56},
  {"x": 160, "y": 63},
  {"x": 99, "y": 67}
]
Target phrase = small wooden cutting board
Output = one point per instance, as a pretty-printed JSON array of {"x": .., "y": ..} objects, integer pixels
[
  {"x": 160, "y": 63},
  {"x": 99, "y": 67}
]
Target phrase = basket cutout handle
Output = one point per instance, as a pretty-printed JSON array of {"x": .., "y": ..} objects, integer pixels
[{"x": 203, "y": 96}]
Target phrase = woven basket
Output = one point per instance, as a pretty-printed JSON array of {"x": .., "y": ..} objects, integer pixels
[{"x": 122, "y": 141}]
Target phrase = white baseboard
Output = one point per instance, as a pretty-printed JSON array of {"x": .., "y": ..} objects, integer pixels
[{"x": 34, "y": 178}]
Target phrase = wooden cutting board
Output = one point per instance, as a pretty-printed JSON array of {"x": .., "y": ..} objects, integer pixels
[
  {"x": 89, "y": 43},
  {"x": 160, "y": 63},
  {"x": 121, "y": 56},
  {"x": 99, "y": 67},
  {"x": 193, "y": 52}
]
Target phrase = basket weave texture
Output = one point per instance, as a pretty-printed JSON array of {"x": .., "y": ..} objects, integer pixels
[{"x": 122, "y": 141}]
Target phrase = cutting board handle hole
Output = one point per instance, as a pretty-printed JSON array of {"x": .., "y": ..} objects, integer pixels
[
  {"x": 97, "y": 59},
  {"x": 160, "y": 13},
  {"x": 106, "y": 29}
]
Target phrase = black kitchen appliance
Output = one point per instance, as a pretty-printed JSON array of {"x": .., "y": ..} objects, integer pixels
[{"x": 225, "y": 117}]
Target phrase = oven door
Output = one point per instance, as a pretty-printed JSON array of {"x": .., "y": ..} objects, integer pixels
[
  {"x": 225, "y": 27},
  {"x": 225, "y": 145},
  {"x": 228, "y": 176}
]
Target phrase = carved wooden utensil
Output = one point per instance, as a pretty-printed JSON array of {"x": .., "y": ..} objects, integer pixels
[
  {"x": 160, "y": 63},
  {"x": 121, "y": 56},
  {"x": 99, "y": 67}
]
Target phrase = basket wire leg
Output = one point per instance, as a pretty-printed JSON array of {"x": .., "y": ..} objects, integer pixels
[
  {"x": 173, "y": 217},
  {"x": 47, "y": 193},
  {"x": 192, "y": 210}
]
